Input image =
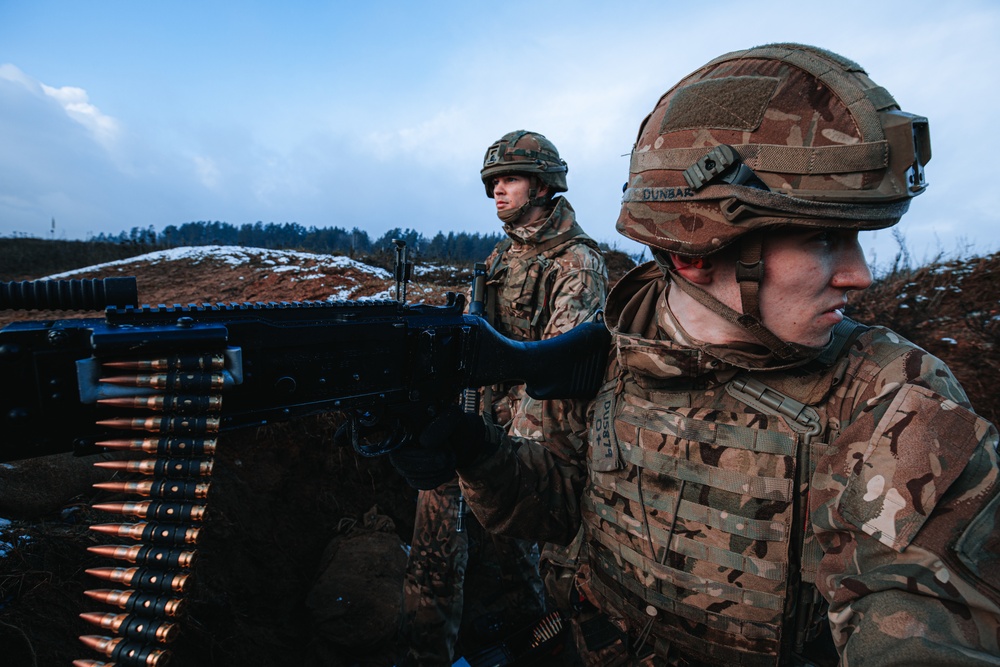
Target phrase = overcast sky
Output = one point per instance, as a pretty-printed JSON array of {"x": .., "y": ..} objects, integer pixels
[{"x": 119, "y": 113}]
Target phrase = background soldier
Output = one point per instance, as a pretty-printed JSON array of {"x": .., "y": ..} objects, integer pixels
[
  {"x": 767, "y": 482},
  {"x": 545, "y": 278}
]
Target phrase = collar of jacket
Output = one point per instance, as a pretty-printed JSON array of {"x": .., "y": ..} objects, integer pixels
[{"x": 548, "y": 223}]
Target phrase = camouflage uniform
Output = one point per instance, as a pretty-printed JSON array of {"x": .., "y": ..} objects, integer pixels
[
  {"x": 470, "y": 587},
  {"x": 742, "y": 502},
  {"x": 901, "y": 498}
]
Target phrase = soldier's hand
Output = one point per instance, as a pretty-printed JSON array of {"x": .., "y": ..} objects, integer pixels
[
  {"x": 453, "y": 440},
  {"x": 423, "y": 468}
]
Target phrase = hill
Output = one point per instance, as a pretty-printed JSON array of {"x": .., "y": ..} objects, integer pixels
[
  {"x": 287, "y": 500},
  {"x": 951, "y": 309}
]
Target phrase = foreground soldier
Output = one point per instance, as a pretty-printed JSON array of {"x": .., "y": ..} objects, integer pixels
[
  {"x": 465, "y": 591},
  {"x": 761, "y": 471}
]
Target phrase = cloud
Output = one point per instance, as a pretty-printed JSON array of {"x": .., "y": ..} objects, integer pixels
[
  {"x": 386, "y": 126},
  {"x": 72, "y": 100},
  {"x": 11, "y": 73},
  {"x": 77, "y": 106}
]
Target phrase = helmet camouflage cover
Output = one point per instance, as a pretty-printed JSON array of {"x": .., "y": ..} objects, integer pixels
[
  {"x": 524, "y": 152},
  {"x": 820, "y": 143}
]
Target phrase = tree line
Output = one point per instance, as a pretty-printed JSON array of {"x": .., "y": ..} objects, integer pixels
[{"x": 458, "y": 248}]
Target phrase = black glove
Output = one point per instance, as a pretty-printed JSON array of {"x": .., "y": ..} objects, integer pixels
[
  {"x": 423, "y": 469},
  {"x": 453, "y": 440}
]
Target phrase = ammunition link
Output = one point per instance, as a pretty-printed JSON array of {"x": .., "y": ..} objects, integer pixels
[{"x": 182, "y": 412}]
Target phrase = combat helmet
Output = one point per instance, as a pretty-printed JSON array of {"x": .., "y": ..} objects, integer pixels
[
  {"x": 776, "y": 135},
  {"x": 524, "y": 152}
]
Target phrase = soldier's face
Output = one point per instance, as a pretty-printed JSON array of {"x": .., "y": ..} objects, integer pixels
[
  {"x": 807, "y": 275},
  {"x": 510, "y": 192}
]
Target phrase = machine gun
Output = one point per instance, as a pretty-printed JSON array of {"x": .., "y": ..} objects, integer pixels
[
  {"x": 389, "y": 365},
  {"x": 163, "y": 381}
]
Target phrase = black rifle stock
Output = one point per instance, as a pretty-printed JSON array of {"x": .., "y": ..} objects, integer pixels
[{"x": 389, "y": 365}]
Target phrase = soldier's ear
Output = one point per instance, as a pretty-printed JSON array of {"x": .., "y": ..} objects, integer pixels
[
  {"x": 542, "y": 188},
  {"x": 697, "y": 270}
]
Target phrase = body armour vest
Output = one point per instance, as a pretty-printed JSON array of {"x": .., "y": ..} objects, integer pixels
[
  {"x": 697, "y": 507},
  {"x": 519, "y": 284}
]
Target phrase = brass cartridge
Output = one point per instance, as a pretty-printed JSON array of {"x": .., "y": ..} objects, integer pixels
[
  {"x": 144, "y": 554},
  {"x": 184, "y": 425},
  {"x": 132, "y": 626},
  {"x": 172, "y": 468},
  {"x": 161, "y": 488},
  {"x": 119, "y": 647},
  {"x": 154, "y": 533},
  {"x": 185, "y": 405},
  {"x": 147, "y": 604},
  {"x": 165, "y": 446},
  {"x": 142, "y": 578},
  {"x": 177, "y": 362},
  {"x": 155, "y": 510}
]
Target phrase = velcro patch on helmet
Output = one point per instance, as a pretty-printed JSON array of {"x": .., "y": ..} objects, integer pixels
[{"x": 732, "y": 103}]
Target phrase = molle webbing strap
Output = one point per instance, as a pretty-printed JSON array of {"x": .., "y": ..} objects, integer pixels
[
  {"x": 616, "y": 593},
  {"x": 670, "y": 578},
  {"x": 765, "y": 488},
  {"x": 732, "y": 436},
  {"x": 734, "y": 524},
  {"x": 671, "y": 603},
  {"x": 765, "y": 569}
]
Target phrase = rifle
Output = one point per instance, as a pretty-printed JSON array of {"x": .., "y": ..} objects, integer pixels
[{"x": 164, "y": 380}]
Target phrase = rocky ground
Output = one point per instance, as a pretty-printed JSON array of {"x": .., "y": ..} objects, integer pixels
[{"x": 304, "y": 542}]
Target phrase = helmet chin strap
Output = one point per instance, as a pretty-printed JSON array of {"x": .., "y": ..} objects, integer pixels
[{"x": 749, "y": 273}]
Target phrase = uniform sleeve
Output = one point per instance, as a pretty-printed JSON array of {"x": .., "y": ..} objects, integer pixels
[
  {"x": 575, "y": 293},
  {"x": 525, "y": 491},
  {"x": 531, "y": 488},
  {"x": 901, "y": 503}
]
